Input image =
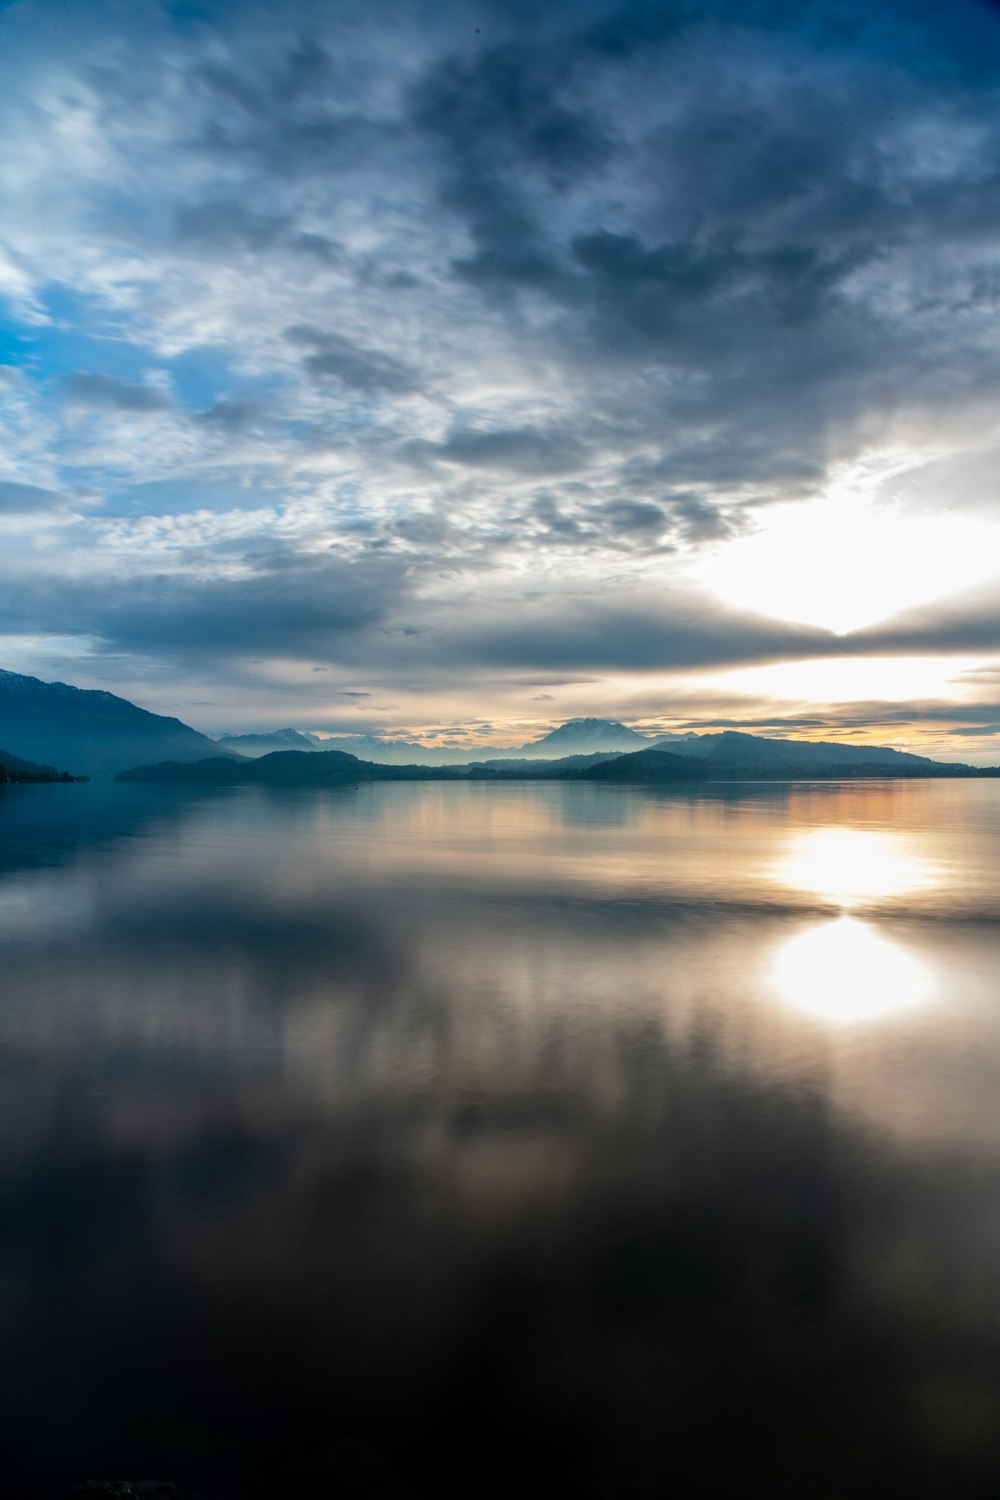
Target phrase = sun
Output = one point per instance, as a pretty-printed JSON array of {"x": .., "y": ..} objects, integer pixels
[{"x": 843, "y": 563}]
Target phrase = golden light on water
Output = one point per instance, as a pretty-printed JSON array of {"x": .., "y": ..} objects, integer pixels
[
  {"x": 851, "y": 865},
  {"x": 844, "y": 972}
]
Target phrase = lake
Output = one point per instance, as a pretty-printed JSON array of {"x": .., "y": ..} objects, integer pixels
[{"x": 443, "y": 1141}]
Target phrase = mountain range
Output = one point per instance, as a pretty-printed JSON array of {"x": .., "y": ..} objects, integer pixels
[
  {"x": 336, "y": 768},
  {"x": 586, "y": 737},
  {"x": 13, "y": 768},
  {"x": 90, "y": 732},
  {"x": 263, "y": 744},
  {"x": 576, "y": 737},
  {"x": 752, "y": 751},
  {"x": 96, "y": 733},
  {"x": 26, "y": 767}
]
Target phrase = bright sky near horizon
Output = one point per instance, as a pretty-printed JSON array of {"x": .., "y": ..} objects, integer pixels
[{"x": 460, "y": 368}]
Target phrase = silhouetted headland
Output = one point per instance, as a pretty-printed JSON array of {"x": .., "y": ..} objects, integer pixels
[
  {"x": 15, "y": 772},
  {"x": 337, "y": 768}
]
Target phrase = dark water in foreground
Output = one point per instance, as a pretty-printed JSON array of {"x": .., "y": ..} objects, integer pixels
[{"x": 449, "y": 1141}]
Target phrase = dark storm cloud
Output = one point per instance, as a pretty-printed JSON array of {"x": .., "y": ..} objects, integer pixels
[
  {"x": 660, "y": 295},
  {"x": 850, "y": 716},
  {"x": 495, "y": 118},
  {"x": 335, "y": 357},
  {"x": 502, "y": 109},
  {"x": 28, "y": 499},
  {"x": 780, "y": 280},
  {"x": 570, "y": 635},
  {"x": 234, "y": 414},
  {"x": 89, "y": 389},
  {"x": 700, "y": 521},
  {"x": 633, "y": 516},
  {"x": 305, "y": 610},
  {"x": 283, "y": 112},
  {"x": 228, "y": 223},
  {"x": 291, "y": 605},
  {"x": 367, "y": 612},
  {"x": 221, "y": 226},
  {"x": 521, "y": 450},
  {"x": 913, "y": 33},
  {"x": 777, "y": 348},
  {"x": 955, "y": 626},
  {"x": 635, "y": 526},
  {"x": 646, "y": 265}
]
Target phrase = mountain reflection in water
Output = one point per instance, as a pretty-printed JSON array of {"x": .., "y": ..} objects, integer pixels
[{"x": 445, "y": 1141}]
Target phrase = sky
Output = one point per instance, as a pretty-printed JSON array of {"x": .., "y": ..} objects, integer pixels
[{"x": 454, "y": 369}]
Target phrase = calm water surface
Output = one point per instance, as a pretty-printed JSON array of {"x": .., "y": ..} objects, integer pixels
[{"x": 443, "y": 1141}]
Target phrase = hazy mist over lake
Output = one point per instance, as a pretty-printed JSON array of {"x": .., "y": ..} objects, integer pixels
[{"x": 444, "y": 1140}]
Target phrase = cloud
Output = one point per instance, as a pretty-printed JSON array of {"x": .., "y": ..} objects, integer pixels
[
  {"x": 284, "y": 110},
  {"x": 636, "y": 516},
  {"x": 94, "y": 390},
  {"x": 226, "y": 223},
  {"x": 26, "y": 499},
  {"x": 335, "y": 357},
  {"x": 952, "y": 626},
  {"x": 650, "y": 634},
  {"x": 496, "y": 119},
  {"x": 471, "y": 341},
  {"x": 221, "y": 226},
  {"x": 234, "y": 414},
  {"x": 290, "y": 605},
  {"x": 523, "y": 450}
]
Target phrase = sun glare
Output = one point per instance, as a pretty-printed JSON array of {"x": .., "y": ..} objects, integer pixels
[
  {"x": 843, "y": 972},
  {"x": 841, "y": 564},
  {"x": 850, "y": 865},
  {"x": 885, "y": 679}
]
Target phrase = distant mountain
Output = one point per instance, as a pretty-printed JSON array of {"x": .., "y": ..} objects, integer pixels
[
  {"x": 513, "y": 766},
  {"x": 673, "y": 741},
  {"x": 15, "y": 763},
  {"x": 94, "y": 733},
  {"x": 753, "y": 751},
  {"x": 402, "y": 752},
  {"x": 14, "y": 769},
  {"x": 649, "y": 765},
  {"x": 665, "y": 766},
  {"x": 586, "y": 737},
  {"x": 263, "y": 744},
  {"x": 583, "y": 737},
  {"x": 280, "y": 768},
  {"x": 335, "y": 768},
  {"x": 577, "y": 737}
]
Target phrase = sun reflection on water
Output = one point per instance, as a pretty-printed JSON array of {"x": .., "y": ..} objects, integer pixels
[
  {"x": 851, "y": 865},
  {"x": 844, "y": 972}
]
